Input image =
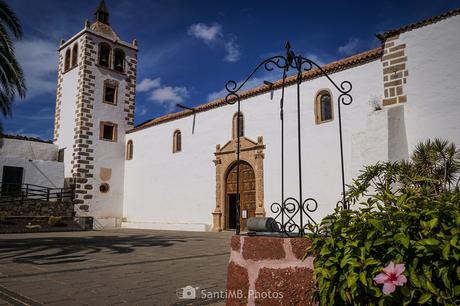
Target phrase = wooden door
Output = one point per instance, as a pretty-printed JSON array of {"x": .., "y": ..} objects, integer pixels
[
  {"x": 11, "y": 181},
  {"x": 247, "y": 194}
]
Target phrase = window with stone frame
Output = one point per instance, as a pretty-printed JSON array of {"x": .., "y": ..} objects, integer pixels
[
  {"x": 235, "y": 127},
  {"x": 110, "y": 92},
  {"x": 324, "y": 111},
  {"x": 129, "y": 150},
  {"x": 104, "y": 55},
  {"x": 67, "y": 60},
  {"x": 119, "y": 60},
  {"x": 108, "y": 131},
  {"x": 74, "y": 56},
  {"x": 177, "y": 141}
]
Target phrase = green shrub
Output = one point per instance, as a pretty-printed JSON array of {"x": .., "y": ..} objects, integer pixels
[
  {"x": 55, "y": 221},
  {"x": 420, "y": 231},
  {"x": 411, "y": 216}
]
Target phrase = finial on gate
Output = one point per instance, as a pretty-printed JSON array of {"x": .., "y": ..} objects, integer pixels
[{"x": 289, "y": 54}]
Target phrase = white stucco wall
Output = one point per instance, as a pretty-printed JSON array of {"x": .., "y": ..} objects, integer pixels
[
  {"x": 28, "y": 149},
  {"x": 66, "y": 132},
  {"x": 433, "y": 91},
  {"x": 179, "y": 189},
  {"x": 38, "y": 159}
]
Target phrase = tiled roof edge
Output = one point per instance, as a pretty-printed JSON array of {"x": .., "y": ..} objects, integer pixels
[
  {"x": 420, "y": 23},
  {"x": 346, "y": 63}
]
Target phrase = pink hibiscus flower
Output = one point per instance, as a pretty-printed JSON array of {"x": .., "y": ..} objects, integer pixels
[{"x": 391, "y": 277}]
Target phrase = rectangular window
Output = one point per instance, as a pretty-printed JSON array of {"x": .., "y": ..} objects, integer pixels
[
  {"x": 108, "y": 131},
  {"x": 60, "y": 155},
  {"x": 110, "y": 93}
]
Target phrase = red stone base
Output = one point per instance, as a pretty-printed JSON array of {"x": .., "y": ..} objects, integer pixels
[{"x": 269, "y": 271}]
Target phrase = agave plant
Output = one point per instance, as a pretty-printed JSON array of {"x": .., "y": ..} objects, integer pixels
[{"x": 11, "y": 76}]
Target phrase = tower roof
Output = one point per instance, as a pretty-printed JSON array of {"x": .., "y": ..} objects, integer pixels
[
  {"x": 101, "y": 22},
  {"x": 102, "y": 13}
]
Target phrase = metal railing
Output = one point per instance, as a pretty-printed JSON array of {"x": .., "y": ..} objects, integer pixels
[{"x": 21, "y": 192}]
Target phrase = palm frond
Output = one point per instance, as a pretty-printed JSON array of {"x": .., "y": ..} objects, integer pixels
[{"x": 9, "y": 18}]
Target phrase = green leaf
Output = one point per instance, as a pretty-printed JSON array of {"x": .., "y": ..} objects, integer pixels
[
  {"x": 379, "y": 241},
  {"x": 351, "y": 280},
  {"x": 457, "y": 290},
  {"x": 429, "y": 241},
  {"x": 445, "y": 276},
  {"x": 377, "y": 224},
  {"x": 431, "y": 287},
  {"x": 445, "y": 251},
  {"x": 453, "y": 241},
  {"x": 370, "y": 262},
  {"x": 344, "y": 261},
  {"x": 424, "y": 298},
  {"x": 402, "y": 239},
  {"x": 413, "y": 278},
  {"x": 325, "y": 251},
  {"x": 433, "y": 222},
  {"x": 362, "y": 278}
]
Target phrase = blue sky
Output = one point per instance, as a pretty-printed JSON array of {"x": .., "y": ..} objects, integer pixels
[{"x": 189, "y": 49}]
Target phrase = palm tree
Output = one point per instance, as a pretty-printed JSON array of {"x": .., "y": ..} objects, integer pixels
[
  {"x": 11, "y": 76},
  {"x": 438, "y": 159}
]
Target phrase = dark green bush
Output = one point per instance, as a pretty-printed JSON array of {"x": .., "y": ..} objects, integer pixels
[
  {"x": 409, "y": 213},
  {"x": 419, "y": 231}
]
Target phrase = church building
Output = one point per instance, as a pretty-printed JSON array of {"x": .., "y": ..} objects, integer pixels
[{"x": 177, "y": 172}]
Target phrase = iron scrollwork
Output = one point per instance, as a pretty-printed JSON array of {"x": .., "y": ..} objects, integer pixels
[{"x": 292, "y": 215}]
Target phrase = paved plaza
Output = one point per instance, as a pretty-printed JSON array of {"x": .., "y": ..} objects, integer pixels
[{"x": 132, "y": 267}]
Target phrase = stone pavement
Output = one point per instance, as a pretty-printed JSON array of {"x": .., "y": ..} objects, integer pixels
[{"x": 131, "y": 267}]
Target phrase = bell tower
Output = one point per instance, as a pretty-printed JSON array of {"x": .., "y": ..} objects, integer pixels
[{"x": 95, "y": 103}]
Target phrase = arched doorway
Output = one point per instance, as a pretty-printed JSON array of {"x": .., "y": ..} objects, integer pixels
[{"x": 247, "y": 195}]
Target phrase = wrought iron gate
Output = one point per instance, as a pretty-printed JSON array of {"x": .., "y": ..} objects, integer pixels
[{"x": 292, "y": 214}]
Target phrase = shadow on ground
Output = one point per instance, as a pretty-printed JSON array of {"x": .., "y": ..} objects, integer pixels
[{"x": 62, "y": 250}]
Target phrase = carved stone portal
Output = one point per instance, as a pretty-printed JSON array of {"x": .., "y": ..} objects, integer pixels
[{"x": 252, "y": 157}]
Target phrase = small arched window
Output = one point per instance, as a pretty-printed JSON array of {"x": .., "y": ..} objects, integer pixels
[
  {"x": 75, "y": 55},
  {"x": 177, "y": 141},
  {"x": 235, "y": 126},
  {"x": 323, "y": 107},
  {"x": 104, "y": 55},
  {"x": 119, "y": 60},
  {"x": 129, "y": 150},
  {"x": 67, "y": 60}
]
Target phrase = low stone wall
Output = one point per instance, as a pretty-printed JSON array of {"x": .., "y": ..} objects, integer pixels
[
  {"x": 33, "y": 208},
  {"x": 269, "y": 271}
]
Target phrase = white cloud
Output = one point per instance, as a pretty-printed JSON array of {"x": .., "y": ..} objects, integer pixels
[
  {"x": 141, "y": 110},
  {"x": 169, "y": 94},
  {"x": 207, "y": 33},
  {"x": 148, "y": 84},
  {"x": 351, "y": 46},
  {"x": 233, "y": 51},
  {"x": 38, "y": 59},
  {"x": 213, "y": 35}
]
